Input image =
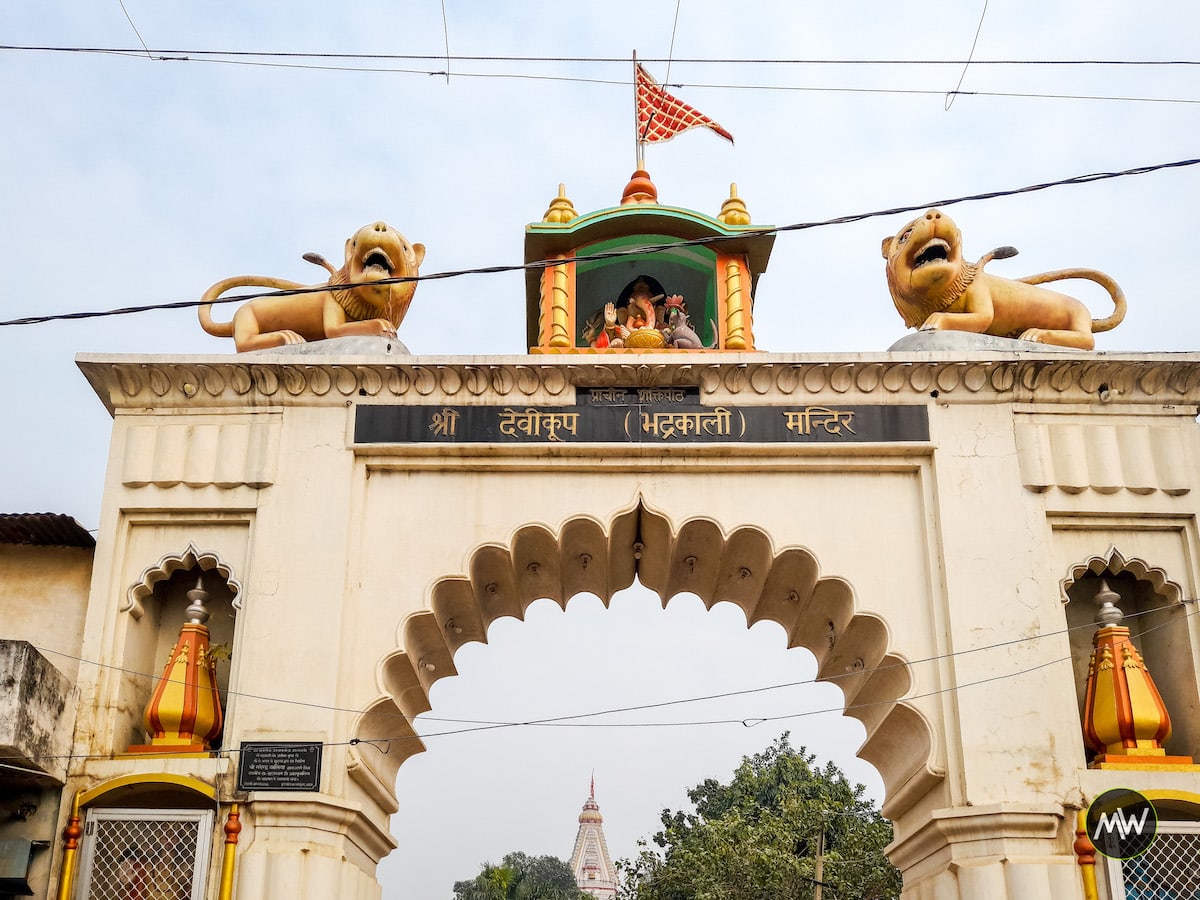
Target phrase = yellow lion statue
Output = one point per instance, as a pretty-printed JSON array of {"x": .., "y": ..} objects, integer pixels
[
  {"x": 935, "y": 289},
  {"x": 351, "y": 302}
]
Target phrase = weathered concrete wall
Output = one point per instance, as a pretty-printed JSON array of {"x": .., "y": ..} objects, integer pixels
[{"x": 36, "y": 711}]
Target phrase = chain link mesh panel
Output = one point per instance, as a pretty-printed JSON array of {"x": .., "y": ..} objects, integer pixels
[
  {"x": 1168, "y": 870},
  {"x": 142, "y": 858}
]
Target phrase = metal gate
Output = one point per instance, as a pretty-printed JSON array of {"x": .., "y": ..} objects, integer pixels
[
  {"x": 1168, "y": 870},
  {"x": 145, "y": 854}
]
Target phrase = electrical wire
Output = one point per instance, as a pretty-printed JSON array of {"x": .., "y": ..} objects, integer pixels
[
  {"x": 814, "y": 89},
  {"x": 613, "y": 254},
  {"x": 671, "y": 48},
  {"x": 136, "y": 673},
  {"x": 446, "y": 35},
  {"x": 952, "y": 95},
  {"x": 698, "y": 60},
  {"x": 129, "y": 19},
  {"x": 243, "y": 59},
  {"x": 559, "y": 721},
  {"x": 814, "y": 712}
]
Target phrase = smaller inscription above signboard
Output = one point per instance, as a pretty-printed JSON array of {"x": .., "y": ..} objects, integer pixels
[{"x": 280, "y": 766}]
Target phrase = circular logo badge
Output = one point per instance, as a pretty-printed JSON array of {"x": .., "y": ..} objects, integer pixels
[{"x": 1121, "y": 823}]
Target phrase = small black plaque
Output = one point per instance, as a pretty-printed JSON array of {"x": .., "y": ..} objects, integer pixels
[{"x": 280, "y": 766}]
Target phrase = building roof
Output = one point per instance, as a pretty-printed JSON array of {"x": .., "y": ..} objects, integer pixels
[{"x": 44, "y": 530}]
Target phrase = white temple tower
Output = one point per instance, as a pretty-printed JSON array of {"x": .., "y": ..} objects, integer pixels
[{"x": 593, "y": 868}]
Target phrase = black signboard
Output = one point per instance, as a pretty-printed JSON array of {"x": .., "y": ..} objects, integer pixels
[
  {"x": 660, "y": 415},
  {"x": 280, "y": 766}
]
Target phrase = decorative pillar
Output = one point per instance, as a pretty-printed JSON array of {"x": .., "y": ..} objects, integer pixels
[
  {"x": 1085, "y": 850},
  {"x": 71, "y": 835},
  {"x": 233, "y": 828},
  {"x": 558, "y": 280},
  {"x": 737, "y": 317},
  {"x": 1124, "y": 718},
  {"x": 184, "y": 714},
  {"x": 737, "y": 321}
]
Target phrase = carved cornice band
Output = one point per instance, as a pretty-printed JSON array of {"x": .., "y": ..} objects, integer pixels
[{"x": 217, "y": 381}]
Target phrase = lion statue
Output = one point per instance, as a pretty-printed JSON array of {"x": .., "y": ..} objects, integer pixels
[
  {"x": 935, "y": 289},
  {"x": 360, "y": 298}
]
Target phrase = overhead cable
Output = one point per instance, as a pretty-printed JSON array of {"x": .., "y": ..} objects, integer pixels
[
  {"x": 571, "y": 720},
  {"x": 698, "y": 60},
  {"x": 612, "y": 254},
  {"x": 386, "y": 742},
  {"x": 261, "y": 60}
]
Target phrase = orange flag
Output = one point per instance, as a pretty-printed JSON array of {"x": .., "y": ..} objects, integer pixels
[{"x": 660, "y": 116}]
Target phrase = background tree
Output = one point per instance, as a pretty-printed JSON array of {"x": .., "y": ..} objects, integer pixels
[
  {"x": 758, "y": 838},
  {"x": 521, "y": 877}
]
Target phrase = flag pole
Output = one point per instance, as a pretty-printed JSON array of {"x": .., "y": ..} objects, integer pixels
[{"x": 639, "y": 146}]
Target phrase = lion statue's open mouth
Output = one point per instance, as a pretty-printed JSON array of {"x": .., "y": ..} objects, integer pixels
[
  {"x": 934, "y": 250},
  {"x": 377, "y": 264}
]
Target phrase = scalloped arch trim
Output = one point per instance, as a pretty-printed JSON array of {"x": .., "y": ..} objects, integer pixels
[
  {"x": 742, "y": 567},
  {"x": 189, "y": 558},
  {"x": 1115, "y": 562}
]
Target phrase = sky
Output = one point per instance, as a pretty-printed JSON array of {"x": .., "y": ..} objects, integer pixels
[{"x": 133, "y": 180}]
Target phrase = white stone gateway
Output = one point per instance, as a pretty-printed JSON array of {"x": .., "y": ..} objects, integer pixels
[{"x": 909, "y": 518}]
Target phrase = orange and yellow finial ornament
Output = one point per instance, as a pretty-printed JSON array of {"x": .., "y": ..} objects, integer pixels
[
  {"x": 1124, "y": 719},
  {"x": 184, "y": 714}
]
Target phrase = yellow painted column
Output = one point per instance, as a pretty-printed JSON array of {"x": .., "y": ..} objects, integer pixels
[
  {"x": 71, "y": 835},
  {"x": 233, "y": 827},
  {"x": 560, "y": 313},
  {"x": 738, "y": 335},
  {"x": 1087, "y": 857}
]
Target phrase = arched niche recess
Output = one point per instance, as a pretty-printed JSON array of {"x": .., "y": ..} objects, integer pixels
[
  {"x": 587, "y": 556},
  {"x": 1156, "y": 618},
  {"x": 155, "y": 604}
]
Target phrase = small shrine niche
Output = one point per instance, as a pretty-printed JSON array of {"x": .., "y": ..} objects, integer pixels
[
  {"x": 712, "y": 275},
  {"x": 1160, "y": 657},
  {"x": 189, "y": 599}
]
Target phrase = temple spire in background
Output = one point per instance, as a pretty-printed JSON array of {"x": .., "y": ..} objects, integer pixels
[{"x": 593, "y": 867}]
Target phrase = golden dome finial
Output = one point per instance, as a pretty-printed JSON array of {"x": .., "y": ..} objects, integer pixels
[
  {"x": 561, "y": 208},
  {"x": 733, "y": 211}
]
